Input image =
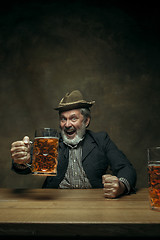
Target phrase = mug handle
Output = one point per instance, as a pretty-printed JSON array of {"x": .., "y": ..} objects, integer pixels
[{"x": 27, "y": 164}]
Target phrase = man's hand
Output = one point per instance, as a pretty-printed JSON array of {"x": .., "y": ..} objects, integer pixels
[
  {"x": 112, "y": 186},
  {"x": 20, "y": 151}
]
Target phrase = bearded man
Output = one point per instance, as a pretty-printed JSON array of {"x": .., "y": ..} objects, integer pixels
[{"x": 84, "y": 156}]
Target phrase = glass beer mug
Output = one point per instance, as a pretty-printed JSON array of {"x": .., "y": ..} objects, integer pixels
[{"x": 45, "y": 152}]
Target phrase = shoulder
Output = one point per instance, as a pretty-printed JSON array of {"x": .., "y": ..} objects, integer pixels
[
  {"x": 103, "y": 140},
  {"x": 98, "y": 137},
  {"x": 97, "y": 134}
]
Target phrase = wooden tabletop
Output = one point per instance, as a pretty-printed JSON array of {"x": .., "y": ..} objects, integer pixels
[{"x": 75, "y": 212}]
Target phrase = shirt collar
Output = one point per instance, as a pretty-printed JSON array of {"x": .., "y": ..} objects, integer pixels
[{"x": 74, "y": 146}]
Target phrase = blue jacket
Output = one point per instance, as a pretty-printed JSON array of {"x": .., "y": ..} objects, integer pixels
[{"x": 98, "y": 152}]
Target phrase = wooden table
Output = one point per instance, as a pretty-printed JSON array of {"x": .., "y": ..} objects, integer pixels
[{"x": 57, "y": 212}]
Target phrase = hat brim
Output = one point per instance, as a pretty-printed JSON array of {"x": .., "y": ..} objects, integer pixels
[{"x": 70, "y": 106}]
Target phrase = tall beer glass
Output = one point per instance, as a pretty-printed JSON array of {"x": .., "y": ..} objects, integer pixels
[
  {"x": 154, "y": 177},
  {"x": 45, "y": 152}
]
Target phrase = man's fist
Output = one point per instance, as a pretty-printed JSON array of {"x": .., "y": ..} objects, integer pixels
[
  {"x": 20, "y": 151},
  {"x": 112, "y": 186}
]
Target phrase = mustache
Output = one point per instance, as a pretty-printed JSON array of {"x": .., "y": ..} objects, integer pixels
[{"x": 69, "y": 128}]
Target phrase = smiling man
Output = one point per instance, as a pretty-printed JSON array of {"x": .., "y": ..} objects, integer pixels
[
  {"x": 73, "y": 126},
  {"x": 84, "y": 156}
]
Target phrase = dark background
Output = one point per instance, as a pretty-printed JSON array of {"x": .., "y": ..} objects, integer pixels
[{"x": 107, "y": 49}]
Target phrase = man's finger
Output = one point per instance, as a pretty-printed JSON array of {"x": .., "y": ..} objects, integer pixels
[
  {"x": 19, "y": 154},
  {"x": 21, "y": 160},
  {"x": 110, "y": 194},
  {"x": 17, "y": 144},
  {"x": 109, "y": 178},
  {"x": 19, "y": 149},
  {"x": 108, "y": 185}
]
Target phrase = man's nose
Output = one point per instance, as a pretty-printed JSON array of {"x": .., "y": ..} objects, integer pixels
[{"x": 68, "y": 124}]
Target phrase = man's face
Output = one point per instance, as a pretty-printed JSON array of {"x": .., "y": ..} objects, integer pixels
[{"x": 72, "y": 125}]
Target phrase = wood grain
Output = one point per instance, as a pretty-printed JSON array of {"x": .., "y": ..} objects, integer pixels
[{"x": 57, "y": 212}]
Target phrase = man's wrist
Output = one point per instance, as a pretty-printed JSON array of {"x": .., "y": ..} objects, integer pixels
[{"x": 126, "y": 184}]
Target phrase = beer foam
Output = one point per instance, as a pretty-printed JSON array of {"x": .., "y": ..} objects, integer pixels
[
  {"x": 154, "y": 164},
  {"x": 46, "y": 137}
]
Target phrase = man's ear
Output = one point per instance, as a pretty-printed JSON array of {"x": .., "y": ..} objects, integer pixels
[{"x": 87, "y": 122}]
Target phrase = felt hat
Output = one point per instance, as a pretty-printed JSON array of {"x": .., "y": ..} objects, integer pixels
[{"x": 73, "y": 100}]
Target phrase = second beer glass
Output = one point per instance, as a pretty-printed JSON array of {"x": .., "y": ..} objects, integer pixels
[{"x": 154, "y": 177}]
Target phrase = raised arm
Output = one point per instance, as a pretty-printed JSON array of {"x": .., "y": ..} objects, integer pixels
[{"x": 20, "y": 153}]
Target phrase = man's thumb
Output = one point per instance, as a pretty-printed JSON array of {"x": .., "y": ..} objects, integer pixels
[{"x": 26, "y": 140}]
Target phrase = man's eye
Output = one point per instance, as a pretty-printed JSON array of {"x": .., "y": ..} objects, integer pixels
[
  {"x": 63, "y": 119},
  {"x": 74, "y": 119}
]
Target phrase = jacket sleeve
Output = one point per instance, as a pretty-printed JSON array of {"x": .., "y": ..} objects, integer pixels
[
  {"x": 119, "y": 164},
  {"x": 20, "y": 170}
]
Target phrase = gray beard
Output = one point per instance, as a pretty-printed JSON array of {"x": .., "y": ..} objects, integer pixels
[{"x": 79, "y": 136}]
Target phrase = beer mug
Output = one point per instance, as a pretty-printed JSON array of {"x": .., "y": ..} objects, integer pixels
[
  {"x": 154, "y": 177},
  {"x": 45, "y": 152}
]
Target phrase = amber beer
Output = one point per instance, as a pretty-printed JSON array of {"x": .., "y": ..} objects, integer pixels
[
  {"x": 45, "y": 153},
  {"x": 154, "y": 177},
  {"x": 154, "y": 186}
]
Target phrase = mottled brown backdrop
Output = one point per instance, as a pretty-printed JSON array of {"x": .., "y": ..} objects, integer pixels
[{"x": 108, "y": 51}]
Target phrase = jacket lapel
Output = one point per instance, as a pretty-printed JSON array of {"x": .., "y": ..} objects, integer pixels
[
  {"x": 63, "y": 154},
  {"x": 88, "y": 146},
  {"x": 63, "y": 149}
]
